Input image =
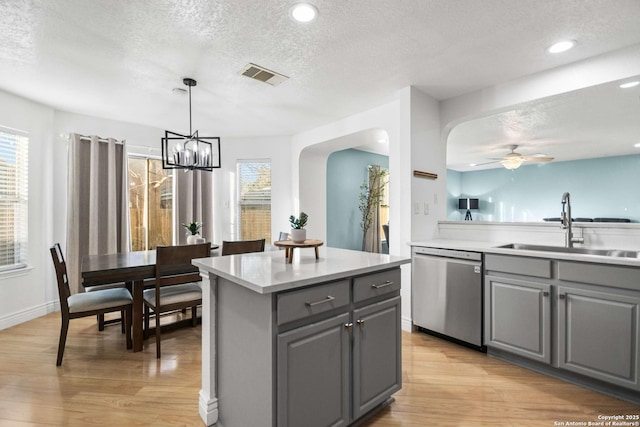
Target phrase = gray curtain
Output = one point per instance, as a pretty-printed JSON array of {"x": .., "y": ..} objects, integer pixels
[
  {"x": 97, "y": 192},
  {"x": 193, "y": 202},
  {"x": 372, "y": 242}
]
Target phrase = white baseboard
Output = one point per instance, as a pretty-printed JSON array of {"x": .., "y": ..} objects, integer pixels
[
  {"x": 406, "y": 324},
  {"x": 28, "y": 314}
]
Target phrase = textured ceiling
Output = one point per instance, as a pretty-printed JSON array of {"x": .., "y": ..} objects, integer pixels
[
  {"x": 599, "y": 121},
  {"x": 120, "y": 59}
]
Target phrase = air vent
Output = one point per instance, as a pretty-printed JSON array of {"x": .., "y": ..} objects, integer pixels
[{"x": 262, "y": 74}]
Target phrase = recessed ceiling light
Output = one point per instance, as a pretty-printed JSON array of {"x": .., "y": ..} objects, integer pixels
[
  {"x": 303, "y": 12},
  {"x": 637, "y": 145},
  {"x": 630, "y": 84},
  {"x": 561, "y": 46}
]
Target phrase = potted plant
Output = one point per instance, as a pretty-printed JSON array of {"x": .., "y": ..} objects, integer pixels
[
  {"x": 298, "y": 232},
  {"x": 193, "y": 236}
]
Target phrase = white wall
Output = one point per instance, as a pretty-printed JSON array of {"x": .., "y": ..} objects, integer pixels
[
  {"x": 277, "y": 149},
  {"x": 428, "y": 154},
  {"x": 30, "y": 293},
  {"x": 311, "y": 149}
]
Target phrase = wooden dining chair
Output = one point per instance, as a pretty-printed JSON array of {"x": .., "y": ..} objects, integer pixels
[
  {"x": 175, "y": 284},
  {"x": 87, "y": 304},
  {"x": 242, "y": 246}
]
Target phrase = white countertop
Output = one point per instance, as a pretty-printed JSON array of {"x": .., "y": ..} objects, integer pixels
[
  {"x": 492, "y": 248},
  {"x": 267, "y": 272}
]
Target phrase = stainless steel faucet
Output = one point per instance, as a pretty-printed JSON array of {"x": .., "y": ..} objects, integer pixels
[{"x": 565, "y": 218}]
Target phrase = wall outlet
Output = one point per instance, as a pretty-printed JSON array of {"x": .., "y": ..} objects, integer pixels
[
  {"x": 426, "y": 208},
  {"x": 416, "y": 208}
]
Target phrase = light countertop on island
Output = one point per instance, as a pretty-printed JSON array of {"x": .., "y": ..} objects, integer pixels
[{"x": 268, "y": 272}]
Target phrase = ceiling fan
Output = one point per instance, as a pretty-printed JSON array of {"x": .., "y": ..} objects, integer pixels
[{"x": 514, "y": 160}]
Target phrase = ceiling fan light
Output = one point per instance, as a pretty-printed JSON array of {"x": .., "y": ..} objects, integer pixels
[{"x": 511, "y": 163}]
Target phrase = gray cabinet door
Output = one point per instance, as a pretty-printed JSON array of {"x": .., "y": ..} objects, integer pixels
[
  {"x": 517, "y": 317},
  {"x": 377, "y": 363},
  {"x": 313, "y": 375},
  {"x": 598, "y": 335}
]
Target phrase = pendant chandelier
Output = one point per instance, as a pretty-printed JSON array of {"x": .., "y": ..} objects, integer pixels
[{"x": 190, "y": 152}]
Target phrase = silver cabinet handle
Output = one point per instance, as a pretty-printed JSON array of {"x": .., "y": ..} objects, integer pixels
[
  {"x": 561, "y": 296},
  {"x": 329, "y": 298},
  {"x": 360, "y": 323},
  {"x": 545, "y": 293},
  {"x": 348, "y": 326},
  {"x": 382, "y": 285}
]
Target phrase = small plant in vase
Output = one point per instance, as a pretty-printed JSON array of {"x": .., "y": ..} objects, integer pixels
[
  {"x": 193, "y": 236},
  {"x": 298, "y": 232}
]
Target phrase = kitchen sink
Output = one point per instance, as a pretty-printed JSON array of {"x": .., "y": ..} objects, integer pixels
[{"x": 561, "y": 249}]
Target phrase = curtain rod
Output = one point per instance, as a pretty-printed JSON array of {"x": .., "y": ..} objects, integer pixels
[
  {"x": 141, "y": 147},
  {"x": 88, "y": 138}
]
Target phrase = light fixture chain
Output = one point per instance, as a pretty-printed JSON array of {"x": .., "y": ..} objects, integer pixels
[{"x": 190, "y": 132}]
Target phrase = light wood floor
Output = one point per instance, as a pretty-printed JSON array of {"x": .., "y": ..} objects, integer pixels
[{"x": 102, "y": 384}]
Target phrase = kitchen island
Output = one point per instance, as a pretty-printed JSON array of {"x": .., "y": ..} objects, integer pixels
[{"x": 312, "y": 342}]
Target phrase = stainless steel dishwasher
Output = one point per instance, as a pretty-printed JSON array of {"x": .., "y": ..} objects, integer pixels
[{"x": 446, "y": 296}]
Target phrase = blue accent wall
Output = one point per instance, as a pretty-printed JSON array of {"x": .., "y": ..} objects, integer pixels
[
  {"x": 603, "y": 187},
  {"x": 346, "y": 172}
]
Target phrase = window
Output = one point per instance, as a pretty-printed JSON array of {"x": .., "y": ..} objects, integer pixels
[
  {"x": 254, "y": 189},
  {"x": 150, "y": 203},
  {"x": 14, "y": 188}
]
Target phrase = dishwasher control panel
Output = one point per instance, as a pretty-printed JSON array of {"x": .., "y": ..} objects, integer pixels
[{"x": 448, "y": 253}]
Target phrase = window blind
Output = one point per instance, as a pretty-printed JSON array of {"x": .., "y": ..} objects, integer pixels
[{"x": 14, "y": 187}]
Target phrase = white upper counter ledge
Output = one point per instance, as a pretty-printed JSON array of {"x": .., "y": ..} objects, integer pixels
[{"x": 267, "y": 272}]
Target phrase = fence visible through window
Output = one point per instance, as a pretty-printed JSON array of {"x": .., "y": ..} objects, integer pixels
[
  {"x": 254, "y": 188},
  {"x": 150, "y": 203}
]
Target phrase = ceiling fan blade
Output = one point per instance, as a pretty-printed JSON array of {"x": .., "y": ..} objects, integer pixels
[
  {"x": 539, "y": 159},
  {"x": 487, "y": 163}
]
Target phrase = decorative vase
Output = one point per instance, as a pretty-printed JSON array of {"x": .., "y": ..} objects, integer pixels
[
  {"x": 192, "y": 239},
  {"x": 298, "y": 235}
]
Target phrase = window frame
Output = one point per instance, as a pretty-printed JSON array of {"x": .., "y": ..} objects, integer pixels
[
  {"x": 239, "y": 200},
  {"x": 21, "y": 265}
]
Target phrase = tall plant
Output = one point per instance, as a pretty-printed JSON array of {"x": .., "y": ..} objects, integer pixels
[{"x": 370, "y": 197}]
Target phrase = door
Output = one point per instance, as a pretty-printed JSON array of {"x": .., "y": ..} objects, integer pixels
[
  {"x": 598, "y": 335},
  {"x": 313, "y": 374},
  {"x": 377, "y": 362},
  {"x": 518, "y": 319}
]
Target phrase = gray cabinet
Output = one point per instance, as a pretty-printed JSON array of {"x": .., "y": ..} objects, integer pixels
[
  {"x": 338, "y": 350},
  {"x": 517, "y": 317},
  {"x": 574, "y": 317},
  {"x": 313, "y": 372},
  {"x": 377, "y": 364},
  {"x": 598, "y": 335}
]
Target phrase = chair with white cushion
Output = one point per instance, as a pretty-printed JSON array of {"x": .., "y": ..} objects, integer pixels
[
  {"x": 87, "y": 304},
  {"x": 175, "y": 284}
]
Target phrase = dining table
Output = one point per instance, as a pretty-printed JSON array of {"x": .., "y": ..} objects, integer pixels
[{"x": 135, "y": 269}]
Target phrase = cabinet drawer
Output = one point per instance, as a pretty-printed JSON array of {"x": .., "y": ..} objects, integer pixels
[
  {"x": 314, "y": 300},
  {"x": 536, "y": 267},
  {"x": 371, "y": 285}
]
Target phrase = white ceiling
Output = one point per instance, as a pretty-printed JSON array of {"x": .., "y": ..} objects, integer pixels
[
  {"x": 599, "y": 121},
  {"x": 120, "y": 59}
]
